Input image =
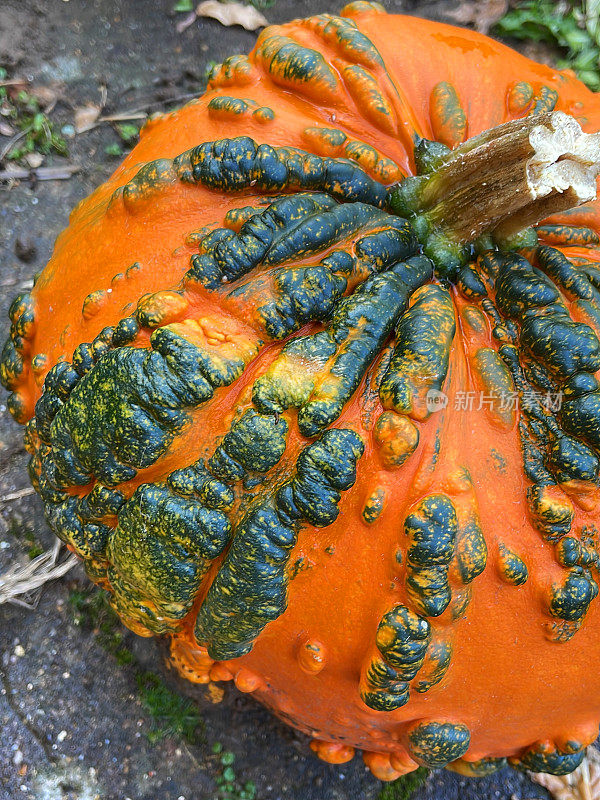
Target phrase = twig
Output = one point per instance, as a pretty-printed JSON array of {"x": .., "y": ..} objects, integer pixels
[
  {"x": 14, "y": 82},
  {"x": 139, "y": 113},
  {"x": 21, "y": 581},
  {"x": 7, "y": 498},
  {"x": 119, "y": 118},
  {"x": 40, "y": 173},
  {"x": 11, "y": 142}
]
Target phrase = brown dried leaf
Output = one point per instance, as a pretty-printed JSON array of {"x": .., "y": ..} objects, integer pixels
[
  {"x": 85, "y": 117},
  {"x": 483, "y": 14},
  {"x": 46, "y": 95},
  {"x": 232, "y": 14}
]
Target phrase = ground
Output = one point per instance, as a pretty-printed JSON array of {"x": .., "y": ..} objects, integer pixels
[{"x": 72, "y": 720}]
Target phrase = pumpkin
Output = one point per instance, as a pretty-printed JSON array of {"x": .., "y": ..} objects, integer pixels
[{"x": 305, "y": 398}]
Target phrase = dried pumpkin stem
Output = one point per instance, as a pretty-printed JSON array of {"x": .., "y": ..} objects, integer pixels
[{"x": 507, "y": 178}]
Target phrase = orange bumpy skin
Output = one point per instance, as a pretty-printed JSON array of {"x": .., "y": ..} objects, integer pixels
[{"x": 230, "y": 351}]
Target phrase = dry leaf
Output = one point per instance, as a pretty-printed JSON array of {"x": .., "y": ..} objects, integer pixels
[
  {"x": 85, "y": 117},
  {"x": 483, "y": 14},
  {"x": 46, "y": 95},
  {"x": 5, "y": 129},
  {"x": 34, "y": 160},
  {"x": 232, "y": 14},
  {"x": 582, "y": 784},
  {"x": 214, "y": 693}
]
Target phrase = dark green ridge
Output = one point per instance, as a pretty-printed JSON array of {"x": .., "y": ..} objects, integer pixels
[
  {"x": 512, "y": 567},
  {"x": 485, "y": 767},
  {"x": 300, "y": 295},
  {"x": 296, "y": 226},
  {"x": 233, "y": 165},
  {"x": 161, "y": 550},
  {"x": 571, "y": 552},
  {"x": 227, "y": 255},
  {"x": 124, "y": 412},
  {"x": 545, "y": 100},
  {"x": 374, "y": 505},
  {"x": 12, "y": 363},
  {"x": 101, "y": 502},
  {"x": 533, "y": 425},
  {"x": 197, "y": 480},
  {"x": 88, "y": 539},
  {"x": 382, "y": 691},
  {"x": 255, "y": 442},
  {"x": 424, "y": 336},
  {"x": 545, "y": 758},
  {"x": 580, "y": 416},
  {"x": 553, "y": 520},
  {"x": 471, "y": 550},
  {"x": 231, "y": 67},
  {"x": 63, "y": 377},
  {"x": 470, "y": 284},
  {"x": 435, "y": 666},
  {"x": 233, "y": 105},
  {"x": 431, "y": 530},
  {"x": 572, "y": 279},
  {"x": 250, "y": 589},
  {"x": 436, "y": 744},
  {"x": 402, "y": 639},
  {"x": 359, "y": 327},
  {"x": 354, "y": 44},
  {"x": 572, "y": 600},
  {"x": 558, "y": 343},
  {"x": 288, "y": 61},
  {"x": 562, "y": 350},
  {"x": 341, "y": 221}
]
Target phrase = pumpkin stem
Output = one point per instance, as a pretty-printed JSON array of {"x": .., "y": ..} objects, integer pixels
[{"x": 502, "y": 181}]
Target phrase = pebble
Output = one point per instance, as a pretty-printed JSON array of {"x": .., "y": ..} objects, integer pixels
[{"x": 19, "y": 651}]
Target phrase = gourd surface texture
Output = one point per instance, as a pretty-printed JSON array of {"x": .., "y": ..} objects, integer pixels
[{"x": 355, "y": 473}]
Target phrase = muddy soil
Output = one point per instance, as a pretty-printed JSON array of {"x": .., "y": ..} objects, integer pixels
[{"x": 71, "y": 723}]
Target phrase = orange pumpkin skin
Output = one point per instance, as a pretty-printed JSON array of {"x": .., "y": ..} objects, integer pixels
[{"x": 448, "y": 613}]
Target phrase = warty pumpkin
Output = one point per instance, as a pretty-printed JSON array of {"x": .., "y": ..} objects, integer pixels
[{"x": 305, "y": 398}]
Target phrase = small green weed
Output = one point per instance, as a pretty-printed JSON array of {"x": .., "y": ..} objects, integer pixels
[
  {"x": 35, "y": 133},
  {"x": 573, "y": 26},
  {"x": 210, "y": 65},
  {"x": 21, "y": 532},
  {"x": 229, "y": 788},
  {"x": 91, "y": 610},
  {"x": 128, "y": 132},
  {"x": 114, "y": 150},
  {"x": 403, "y": 788},
  {"x": 171, "y": 714}
]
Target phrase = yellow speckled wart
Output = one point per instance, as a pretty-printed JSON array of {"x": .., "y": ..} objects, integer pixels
[{"x": 309, "y": 395}]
